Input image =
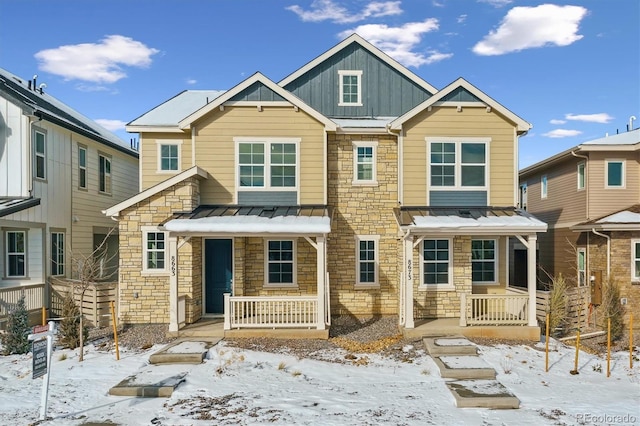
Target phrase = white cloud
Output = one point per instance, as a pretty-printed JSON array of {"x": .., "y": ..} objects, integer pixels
[
  {"x": 562, "y": 133},
  {"x": 530, "y": 27},
  {"x": 327, "y": 10},
  {"x": 191, "y": 81},
  {"x": 556, "y": 121},
  {"x": 112, "y": 125},
  {"x": 400, "y": 42},
  {"x": 602, "y": 117},
  {"x": 496, "y": 3},
  {"x": 462, "y": 18},
  {"x": 96, "y": 62}
]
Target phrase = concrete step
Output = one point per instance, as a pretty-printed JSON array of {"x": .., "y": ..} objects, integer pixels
[
  {"x": 464, "y": 367},
  {"x": 148, "y": 383},
  {"x": 482, "y": 394},
  {"x": 191, "y": 350},
  {"x": 449, "y": 345}
]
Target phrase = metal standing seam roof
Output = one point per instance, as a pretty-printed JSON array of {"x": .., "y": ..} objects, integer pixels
[
  {"x": 169, "y": 113},
  {"x": 304, "y": 219},
  {"x": 467, "y": 218}
]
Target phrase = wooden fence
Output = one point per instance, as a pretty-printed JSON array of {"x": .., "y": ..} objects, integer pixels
[
  {"x": 34, "y": 299},
  {"x": 97, "y": 300},
  {"x": 577, "y": 305}
]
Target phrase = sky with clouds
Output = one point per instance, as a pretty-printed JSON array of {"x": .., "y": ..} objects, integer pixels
[{"x": 572, "y": 69}]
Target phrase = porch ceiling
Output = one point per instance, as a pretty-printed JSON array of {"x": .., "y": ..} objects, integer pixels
[
  {"x": 251, "y": 220},
  {"x": 468, "y": 220}
]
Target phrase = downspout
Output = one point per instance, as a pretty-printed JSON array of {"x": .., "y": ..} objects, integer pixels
[
  {"x": 608, "y": 249},
  {"x": 586, "y": 160}
]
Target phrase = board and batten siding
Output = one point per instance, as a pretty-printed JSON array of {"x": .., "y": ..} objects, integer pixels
[
  {"x": 216, "y": 149},
  {"x": 565, "y": 203},
  {"x": 602, "y": 200},
  {"x": 14, "y": 165},
  {"x": 149, "y": 156},
  {"x": 471, "y": 122}
]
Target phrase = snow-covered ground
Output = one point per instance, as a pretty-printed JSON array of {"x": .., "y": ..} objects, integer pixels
[{"x": 236, "y": 386}]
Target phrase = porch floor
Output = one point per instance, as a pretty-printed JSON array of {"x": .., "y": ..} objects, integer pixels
[
  {"x": 214, "y": 327},
  {"x": 450, "y": 326}
]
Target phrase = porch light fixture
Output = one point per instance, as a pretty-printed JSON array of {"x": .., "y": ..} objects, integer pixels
[
  {"x": 459, "y": 108},
  {"x": 488, "y": 109}
]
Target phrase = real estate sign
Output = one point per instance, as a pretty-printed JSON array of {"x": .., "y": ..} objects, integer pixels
[{"x": 39, "y": 350}]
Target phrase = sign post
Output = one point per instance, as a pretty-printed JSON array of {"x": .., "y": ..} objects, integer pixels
[{"x": 42, "y": 347}]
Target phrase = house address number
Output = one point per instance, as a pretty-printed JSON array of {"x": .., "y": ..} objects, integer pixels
[
  {"x": 173, "y": 266},
  {"x": 409, "y": 269}
]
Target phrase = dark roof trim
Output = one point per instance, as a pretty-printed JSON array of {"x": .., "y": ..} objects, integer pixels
[{"x": 15, "y": 205}]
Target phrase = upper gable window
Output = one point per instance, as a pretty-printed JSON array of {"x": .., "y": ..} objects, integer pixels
[
  {"x": 581, "y": 180},
  {"x": 615, "y": 174},
  {"x": 169, "y": 156},
  {"x": 82, "y": 167},
  {"x": 350, "y": 88},
  {"x": 268, "y": 163},
  {"x": 104, "y": 176},
  {"x": 458, "y": 163}
]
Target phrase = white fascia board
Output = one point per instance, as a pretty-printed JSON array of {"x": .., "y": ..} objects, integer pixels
[
  {"x": 607, "y": 227},
  {"x": 484, "y": 230},
  {"x": 114, "y": 211},
  {"x": 616, "y": 148},
  {"x": 521, "y": 125},
  {"x": 257, "y": 77},
  {"x": 153, "y": 129},
  {"x": 370, "y": 47}
]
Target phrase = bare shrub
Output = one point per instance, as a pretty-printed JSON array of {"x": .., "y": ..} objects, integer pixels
[
  {"x": 611, "y": 307},
  {"x": 558, "y": 305}
]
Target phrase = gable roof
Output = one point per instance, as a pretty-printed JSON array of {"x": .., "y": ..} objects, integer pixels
[
  {"x": 257, "y": 77},
  {"x": 355, "y": 38},
  {"x": 445, "y": 93},
  {"x": 115, "y": 210},
  {"x": 45, "y": 106},
  {"x": 627, "y": 219}
]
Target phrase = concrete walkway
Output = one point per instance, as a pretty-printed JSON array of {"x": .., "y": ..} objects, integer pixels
[{"x": 474, "y": 383}]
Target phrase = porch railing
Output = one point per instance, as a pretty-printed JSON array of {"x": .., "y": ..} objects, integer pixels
[
  {"x": 494, "y": 309},
  {"x": 34, "y": 298},
  {"x": 270, "y": 312}
]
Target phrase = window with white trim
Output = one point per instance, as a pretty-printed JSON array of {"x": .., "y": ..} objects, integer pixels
[
  {"x": 364, "y": 162},
  {"x": 582, "y": 266},
  {"x": 635, "y": 260},
  {"x": 169, "y": 156},
  {"x": 523, "y": 196},
  {"x": 367, "y": 260},
  {"x": 544, "y": 188},
  {"x": 82, "y": 167},
  {"x": 16, "y": 257},
  {"x": 155, "y": 251},
  {"x": 104, "y": 178},
  {"x": 57, "y": 253},
  {"x": 581, "y": 176},
  {"x": 269, "y": 164},
  {"x": 40, "y": 154},
  {"x": 437, "y": 262},
  {"x": 350, "y": 88},
  {"x": 458, "y": 163},
  {"x": 615, "y": 174},
  {"x": 483, "y": 261},
  {"x": 280, "y": 263}
]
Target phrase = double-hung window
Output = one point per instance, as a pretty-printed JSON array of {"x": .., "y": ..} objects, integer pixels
[
  {"x": 581, "y": 176},
  {"x": 458, "y": 163},
  {"x": 16, "y": 258},
  {"x": 367, "y": 260},
  {"x": 267, "y": 164},
  {"x": 280, "y": 263},
  {"x": 483, "y": 261},
  {"x": 169, "y": 156},
  {"x": 635, "y": 260},
  {"x": 544, "y": 186},
  {"x": 155, "y": 250},
  {"x": 57, "y": 253},
  {"x": 350, "y": 88},
  {"x": 436, "y": 262},
  {"x": 523, "y": 196},
  {"x": 364, "y": 162},
  {"x": 40, "y": 154},
  {"x": 582, "y": 265},
  {"x": 104, "y": 173},
  {"x": 82, "y": 167},
  {"x": 615, "y": 174}
]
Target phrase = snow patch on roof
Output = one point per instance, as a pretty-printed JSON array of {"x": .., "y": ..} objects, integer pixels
[
  {"x": 621, "y": 217},
  {"x": 253, "y": 224},
  {"x": 452, "y": 221}
]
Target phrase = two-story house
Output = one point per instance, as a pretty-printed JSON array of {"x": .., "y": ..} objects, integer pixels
[
  {"x": 352, "y": 186},
  {"x": 58, "y": 171},
  {"x": 590, "y": 197}
]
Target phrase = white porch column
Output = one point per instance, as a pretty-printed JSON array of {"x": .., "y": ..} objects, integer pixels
[
  {"x": 531, "y": 277},
  {"x": 321, "y": 274},
  {"x": 173, "y": 284},
  {"x": 408, "y": 281}
]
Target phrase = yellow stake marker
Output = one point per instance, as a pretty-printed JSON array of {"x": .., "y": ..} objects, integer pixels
[
  {"x": 115, "y": 330},
  {"x": 630, "y": 340},
  {"x": 608, "y": 346},
  {"x": 44, "y": 316},
  {"x": 575, "y": 366},
  {"x": 546, "y": 348}
]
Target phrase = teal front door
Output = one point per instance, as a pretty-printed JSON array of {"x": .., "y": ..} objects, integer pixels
[{"x": 218, "y": 261}]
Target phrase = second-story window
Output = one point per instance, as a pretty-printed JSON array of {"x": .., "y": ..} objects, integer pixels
[
  {"x": 581, "y": 177},
  {"x": 350, "y": 88},
  {"x": 169, "y": 156},
  {"x": 82, "y": 167},
  {"x": 105, "y": 174},
  {"x": 40, "y": 154},
  {"x": 523, "y": 196},
  {"x": 268, "y": 164},
  {"x": 364, "y": 162},
  {"x": 457, "y": 164},
  {"x": 615, "y": 173},
  {"x": 543, "y": 186}
]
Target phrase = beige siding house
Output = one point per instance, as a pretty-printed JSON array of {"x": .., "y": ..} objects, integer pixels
[
  {"x": 277, "y": 205},
  {"x": 590, "y": 197}
]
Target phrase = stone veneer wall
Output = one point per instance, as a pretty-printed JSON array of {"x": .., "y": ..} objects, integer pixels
[
  {"x": 366, "y": 211},
  {"x": 152, "y": 304},
  {"x": 444, "y": 304}
]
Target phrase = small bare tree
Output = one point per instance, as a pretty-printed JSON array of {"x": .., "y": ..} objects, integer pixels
[{"x": 87, "y": 269}]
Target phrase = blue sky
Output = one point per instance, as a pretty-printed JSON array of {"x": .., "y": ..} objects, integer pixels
[{"x": 572, "y": 69}]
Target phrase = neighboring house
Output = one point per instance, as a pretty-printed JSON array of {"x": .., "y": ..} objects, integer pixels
[
  {"x": 58, "y": 171},
  {"x": 590, "y": 197},
  {"x": 352, "y": 186}
]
